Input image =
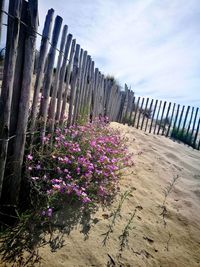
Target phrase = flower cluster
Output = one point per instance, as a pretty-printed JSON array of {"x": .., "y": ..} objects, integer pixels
[{"x": 83, "y": 163}]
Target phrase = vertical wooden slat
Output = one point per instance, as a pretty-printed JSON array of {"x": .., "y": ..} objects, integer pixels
[
  {"x": 7, "y": 84},
  {"x": 151, "y": 104},
  {"x": 180, "y": 119},
  {"x": 162, "y": 114},
  {"x": 136, "y": 109},
  {"x": 2, "y": 3},
  {"x": 171, "y": 120},
  {"x": 147, "y": 101},
  {"x": 185, "y": 120},
  {"x": 48, "y": 76},
  {"x": 66, "y": 66},
  {"x": 156, "y": 122},
  {"x": 85, "y": 82},
  {"x": 18, "y": 75},
  {"x": 61, "y": 115},
  {"x": 176, "y": 118},
  {"x": 154, "y": 112},
  {"x": 73, "y": 84},
  {"x": 52, "y": 105},
  {"x": 40, "y": 69},
  {"x": 29, "y": 56},
  {"x": 140, "y": 111},
  {"x": 198, "y": 145},
  {"x": 194, "y": 123},
  {"x": 190, "y": 121},
  {"x": 196, "y": 134},
  {"x": 83, "y": 70},
  {"x": 76, "y": 102},
  {"x": 131, "y": 113},
  {"x": 91, "y": 87},
  {"x": 166, "y": 118},
  {"x": 87, "y": 85}
]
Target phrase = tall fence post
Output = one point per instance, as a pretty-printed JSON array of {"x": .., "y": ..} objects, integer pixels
[
  {"x": 157, "y": 116},
  {"x": 180, "y": 119},
  {"x": 194, "y": 123},
  {"x": 196, "y": 134},
  {"x": 65, "y": 67},
  {"x": 162, "y": 114},
  {"x": 2, "y": 2},
  {"x": 153, "y": 115},
  {"x": 136, "y": 109},
  {"x": 176, "y": 118},
  {"x": 144, "y": 113},
  {"x": 166, "y": 118},
  {"x": 7, "y": 84},
  {"x": 148, "y": 117},
  {"x": 61, "y": 114},
  {"x": 140, "y": 111},
  {"x": 73, "y": 85},
  {"x": 40, "y": 68},
  {"x": 190, "y": 121},
  {"x": 185, "y": 120},
  {"x": 52, "y": 105},
  {"x": 19, "y": 145},
  {"x": 171, "y": 120},
  {"x": 48, "y": 76}
]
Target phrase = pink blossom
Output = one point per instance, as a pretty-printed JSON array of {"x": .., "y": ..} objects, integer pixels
[{"x": 30, "y": 157}]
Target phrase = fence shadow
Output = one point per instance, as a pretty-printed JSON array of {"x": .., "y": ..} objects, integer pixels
[{"x": 20, "y": 244}]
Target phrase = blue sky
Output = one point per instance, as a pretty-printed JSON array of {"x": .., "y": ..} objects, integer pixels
[{"x": 152, "y": 45}]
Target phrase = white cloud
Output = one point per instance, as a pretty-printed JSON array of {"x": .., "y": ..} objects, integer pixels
[{"x": 150, "y": 44}]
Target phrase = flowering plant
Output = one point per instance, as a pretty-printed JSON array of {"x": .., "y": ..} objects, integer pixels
[{"x": 83, "y": 163}]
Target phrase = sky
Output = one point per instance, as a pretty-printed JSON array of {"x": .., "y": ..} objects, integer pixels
[{"x": 152, "y": 45}]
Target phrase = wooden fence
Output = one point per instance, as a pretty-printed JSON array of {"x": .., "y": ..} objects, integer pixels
[
  {"x": 59, "y": 85},
  {"x": 172, "y": 120}
]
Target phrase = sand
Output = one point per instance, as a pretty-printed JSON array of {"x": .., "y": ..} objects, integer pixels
[{"x": 148, "y": 240}]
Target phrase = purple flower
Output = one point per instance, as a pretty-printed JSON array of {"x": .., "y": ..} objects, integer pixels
[
  {"x": 29, "y": 157},
  {"x": 49, "y": 212}
]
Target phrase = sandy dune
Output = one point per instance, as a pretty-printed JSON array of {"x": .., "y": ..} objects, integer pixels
[
  {"x": 148, "y": 242},
  {"x": 138, "y": 235}
]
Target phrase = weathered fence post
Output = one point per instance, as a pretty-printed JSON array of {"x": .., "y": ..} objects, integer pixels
[
  {"x": 136, "y": 109},
  {"x": 73, "y": 85},
  {"x": 7, "y": 84},
  {"x": 148, "y": 117},
  {"x": 154, "y": 111},
  {"x": 157, "y": 116},
  {"x": 180, "y": 119},
  {"x": 52, "y": 105},
  {"x": 185, "y": 120},
  {"x": 82, "y": 77},
  {"x": 171, "y": 120},
  {"x": 144, "y": 113},
  {"x": 61, "y": 114},
  {"x": 131, "y": 112},
  {"x": 190, "y": 121},
  {"x": 140, "y": 111},
  {"x": 194, "y": 123},
  {"x": 162, "y": 114},
  {"x": 77, "y": 97},
  {"x": 66, "y": 67},
  {"x": 40, "y": 67},
  {"x": 48, "y": 76},
  {"x": 166, "y": 118},
  {"x": 2, "y": 2},
  {"x": 29, "y": 57},
  {"x": 196, "y": 134},
  {"x": 176, "y": 118}
]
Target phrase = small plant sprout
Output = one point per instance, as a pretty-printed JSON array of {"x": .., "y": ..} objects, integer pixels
[
  {"x": 115, "y": 215},
  {"x": 166, "y": 192}
]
